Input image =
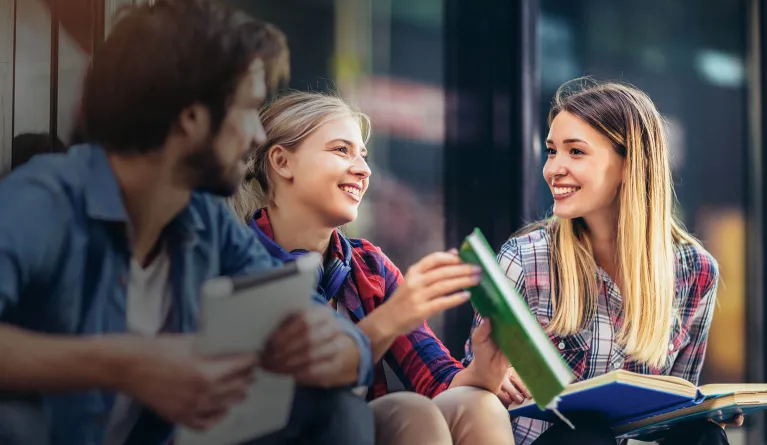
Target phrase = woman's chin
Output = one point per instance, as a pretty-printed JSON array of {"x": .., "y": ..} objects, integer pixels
[
  {"x": 344, "y": 216},
  {"x": 565, "y": 213}
]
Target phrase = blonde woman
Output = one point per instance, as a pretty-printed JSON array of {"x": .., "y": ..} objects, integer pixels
[
  {"x": 306, "y": 180},
  {"x": 614, "y": 279}
]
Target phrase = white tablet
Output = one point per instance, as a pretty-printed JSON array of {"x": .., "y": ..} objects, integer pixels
[{"x": 239, "y": 315}]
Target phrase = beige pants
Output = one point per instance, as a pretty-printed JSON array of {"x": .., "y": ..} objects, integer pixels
[{"x": 461, "y": 416}]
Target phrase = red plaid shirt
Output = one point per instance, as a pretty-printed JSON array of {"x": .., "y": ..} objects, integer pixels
[
  {"x": 421, "y": 362},
  {"x": 595, "y": 351}
]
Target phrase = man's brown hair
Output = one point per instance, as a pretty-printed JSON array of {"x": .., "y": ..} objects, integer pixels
[{"x": 164, "y": 57}]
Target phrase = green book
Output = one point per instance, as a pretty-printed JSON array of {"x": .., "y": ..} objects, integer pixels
[{"x": 514, "y": 328}]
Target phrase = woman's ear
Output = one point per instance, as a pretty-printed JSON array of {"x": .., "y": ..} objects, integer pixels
[{"x": 279, "y": 162}]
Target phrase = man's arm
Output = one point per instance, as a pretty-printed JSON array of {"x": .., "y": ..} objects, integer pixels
[
  {"x": 33, "y": 235},
  {"x": 163, "y": 373},
  {"x": 41, "y": 362}
]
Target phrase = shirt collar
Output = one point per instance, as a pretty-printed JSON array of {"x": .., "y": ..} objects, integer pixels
[
  {"x": 103, "y": 198},
  {"x": 339, "y": 246}
]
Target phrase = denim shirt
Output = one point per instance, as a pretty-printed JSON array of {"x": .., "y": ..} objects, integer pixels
[{"x": 64, "y": 267}]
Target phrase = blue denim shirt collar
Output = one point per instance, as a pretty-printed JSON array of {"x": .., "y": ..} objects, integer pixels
[{"x": 103, "y": 198}]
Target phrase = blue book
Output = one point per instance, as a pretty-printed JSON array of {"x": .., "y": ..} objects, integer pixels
[
  {"x": 740, "y": 399},
  {"x": 638, "y": 404}
]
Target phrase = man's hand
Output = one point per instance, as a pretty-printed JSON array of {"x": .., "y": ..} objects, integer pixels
[
  {"x": 313, "y": 349},
  {"x": 182, "y": 386}
]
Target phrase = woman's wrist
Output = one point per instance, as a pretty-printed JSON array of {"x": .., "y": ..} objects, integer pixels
[{"x": 473, "y": 376}]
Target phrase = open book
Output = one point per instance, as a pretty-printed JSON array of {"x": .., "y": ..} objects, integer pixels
[
  {"x": 514, "y": 328},
  {"x": 638, "y": 404}
]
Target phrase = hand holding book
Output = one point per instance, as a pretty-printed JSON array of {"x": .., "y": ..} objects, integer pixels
[
  {"x": 432, "y": 285},
  {"x": 736, "y": 422},
  {"x": 490, "y": 366},
  {"x": 513, "y": 391},
  {"x": 515, "y": 330}
]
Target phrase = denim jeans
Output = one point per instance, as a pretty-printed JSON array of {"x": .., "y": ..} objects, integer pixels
[
  {"x": 325, "y": 417},
  {"x": 318, "y": 417},
  {"x": 22, "y": 420}
]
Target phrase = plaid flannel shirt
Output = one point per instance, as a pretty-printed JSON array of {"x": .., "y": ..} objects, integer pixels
[
  {"x": 419, "y": 359},
  {"x": 595, "y": 351}
]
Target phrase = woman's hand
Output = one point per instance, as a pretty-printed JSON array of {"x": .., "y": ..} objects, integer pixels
[
  {"x": 434, "y": 284},
  {"x": 489, "y": 368},
  {"x": 735, "y": 422},
  {"x": 513, "y": 391}
]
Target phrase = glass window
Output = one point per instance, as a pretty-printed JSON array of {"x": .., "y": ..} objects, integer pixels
[
  {"x": 41, "y": 61},
  {"x": 76, "y": 33},
  {"x": 690, "y": 58},
  {"x": 32, "y": 83}
]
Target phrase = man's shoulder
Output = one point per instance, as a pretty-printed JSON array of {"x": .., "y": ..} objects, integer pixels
[
  {"x": 237, "y": 245},
  {"x": 212, "y": 210},
  {"x": 60, "y": 178},
  {"x": 54, "y": 170}
]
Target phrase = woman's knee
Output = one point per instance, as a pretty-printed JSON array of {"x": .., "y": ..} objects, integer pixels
[
  {"x": 408, "y": 407},
  {"x": 475, "y": 416},
  {"x": 407, "y": 417},
  {"x": 465, "y": 401}
]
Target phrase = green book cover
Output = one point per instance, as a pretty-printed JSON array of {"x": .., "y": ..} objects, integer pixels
[{"x": 514, "y": 328}]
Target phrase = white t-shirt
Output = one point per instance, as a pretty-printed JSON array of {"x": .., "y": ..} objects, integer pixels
[{"x": 148, "y": 303}]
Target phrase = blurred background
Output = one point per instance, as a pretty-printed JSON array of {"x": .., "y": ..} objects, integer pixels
[{"x": 458, "y": 94}]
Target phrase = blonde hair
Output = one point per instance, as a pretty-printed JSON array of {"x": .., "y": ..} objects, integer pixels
[
  {"x": 288, "y": 121},
  {"x": 647, "y": 229}
]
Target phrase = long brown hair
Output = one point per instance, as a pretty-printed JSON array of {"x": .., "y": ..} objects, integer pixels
[{"x": 647, "y": 228}]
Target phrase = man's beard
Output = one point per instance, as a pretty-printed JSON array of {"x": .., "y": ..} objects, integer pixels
[{"x": 206, "y": 173}]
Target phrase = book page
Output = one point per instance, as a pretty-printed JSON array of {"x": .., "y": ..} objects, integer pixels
[
  {"x": 659, "y": 382},
  {"x": 720, "y": 389}
]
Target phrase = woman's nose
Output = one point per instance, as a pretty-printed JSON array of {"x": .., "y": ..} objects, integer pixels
[
  {"x": 361, "y": 168},
  {"x": 553, "y": 169}
]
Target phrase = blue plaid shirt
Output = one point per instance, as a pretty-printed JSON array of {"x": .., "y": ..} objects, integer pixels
[{"x": 64, "y": 263}]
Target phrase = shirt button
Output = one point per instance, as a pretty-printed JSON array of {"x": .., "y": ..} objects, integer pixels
[
  {"x": 616, "y": 365},
  {"x": 561, "y": 345},
  {"x": 670, "y": 346}
]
